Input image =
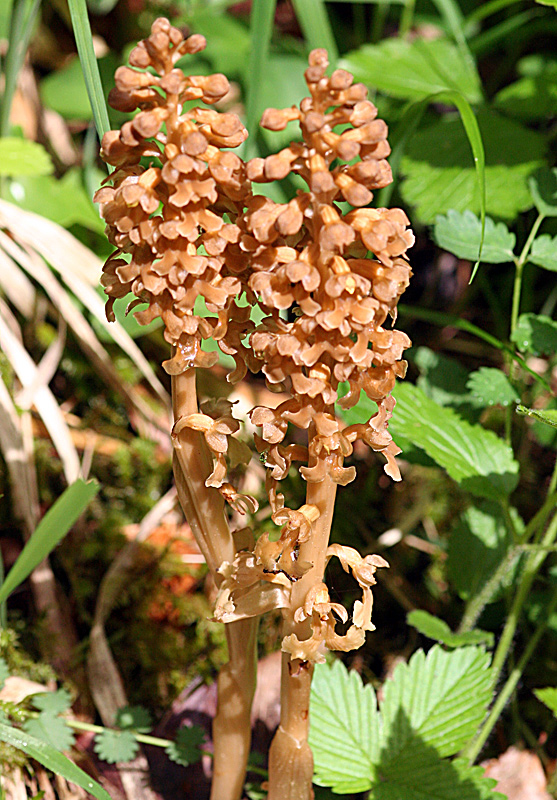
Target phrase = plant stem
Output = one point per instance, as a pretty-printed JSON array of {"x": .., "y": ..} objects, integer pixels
[
  {"x": 290, "y": 757},
  {"x": 204, "y": 510},
  {"x": 523, "y": 257},
  {"x": 531, "y": 569},
  {"x": 475, "y": 748},
  {"x": 477, "y": 603}
]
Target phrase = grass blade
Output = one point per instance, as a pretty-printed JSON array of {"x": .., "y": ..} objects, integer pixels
[
  {"x": 314, "y": 22},
  {"x": 51, "y": 529},
  {"x": 84, "y": 42},
  {"x": 261, "y": 29},
  {"x": 22, "y": 21},
  {"x": 50, "y": 758}
]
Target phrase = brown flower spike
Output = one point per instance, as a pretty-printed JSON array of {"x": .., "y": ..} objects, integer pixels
[{"x": 188, "y": 229}]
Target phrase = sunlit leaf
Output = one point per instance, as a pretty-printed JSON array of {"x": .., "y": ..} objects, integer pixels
[
  {"x": 474, "y": 457},
  {"x": 460, "y": 233},
  {"x": 437, "y": 629},
  {"x": 546, "y": 415},
  {"x": 51, "y": 729},
  {"x": 534, "y": 95},
  {"x": 23, "y": 157},
  {"x": 549, "y": 697},
  {"x": 440, "y": 175},
  {"x": 4, "y": 671},
  {"x": 417, "y": 68}
]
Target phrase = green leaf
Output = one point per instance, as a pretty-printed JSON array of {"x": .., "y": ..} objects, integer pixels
[
  {"x": 51, "y": 529},
  {"x": 548, "y": 416},
  {"x": 419, "y": 774},
  {"x": 89, "y": 65},
  {"x": 443, "y": 697},
  {"x": 51, "y": 759},
  {"x": 474, "y": 457},
  {"x": 435, "y": 628},
  {"x": 116, "y": 747},
  {"x": 552, "y": 3},
  {"x": 478, "y": 543},
  {"x": 490, "y": 387},
  {"x": 431, "y": 707},
  {"x": 228, "y": 41},
  {"x": 345, "y": 729},
  {"x": 544, "y": 252},
  {"x": 185, "y": 749},
  {"x": 549, "y": 697},
  {"x": 440, "y": 174},
  {"x": 416, "y": 69},
  {"x": 51, "y": 729},
  {"x": 53, "y": 702},
  {"x": 4, "y": 671},
  {"x": 134, "y": 718},
  {"x": 543, "y": 186},
  {"x": 443, "y": 380},
  {"x": 460, "y": 233},
  {"x": 65, "y": 92},
  {"x": 22, "y": 157},
  {"x": 534, "y": 95},
  {"x": 68, "y": 203},
  {"x": 536, "y": 334}
]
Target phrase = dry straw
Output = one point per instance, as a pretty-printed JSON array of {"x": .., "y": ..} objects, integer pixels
[{"x": 185, "y": 223}]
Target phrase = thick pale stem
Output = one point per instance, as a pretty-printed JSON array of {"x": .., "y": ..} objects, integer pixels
[
  {"x": 204, "y": 510},
  {"x": 290, "y": 757}
]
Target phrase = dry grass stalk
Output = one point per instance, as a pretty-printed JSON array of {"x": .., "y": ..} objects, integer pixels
[{"x": 307, "y": 258}]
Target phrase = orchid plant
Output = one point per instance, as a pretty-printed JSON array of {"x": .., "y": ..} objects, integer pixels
[{"x": 326, "y": 271}]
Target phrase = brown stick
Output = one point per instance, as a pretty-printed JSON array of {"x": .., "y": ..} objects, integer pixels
[{"x": 204, "y": 510}]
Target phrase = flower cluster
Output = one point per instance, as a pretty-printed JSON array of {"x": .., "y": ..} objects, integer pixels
[
  {"x": 159, "y": 217},
  {"x": 186, "y": 224}
]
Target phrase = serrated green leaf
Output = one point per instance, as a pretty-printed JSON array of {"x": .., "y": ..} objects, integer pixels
[
  {"x": 416, "y": 68},
  {"x": 437, "y": 629},
  {"x": 51, "y": 759},
  {"x": 51, "y": 529},
  {"x": 460, "y": 234},
  {"x": 431, "y": 706},
  {"x": 418, "y": 773},
  {"x": 474, "y": 457},
  {"x": 440, "y": 174},
  {"x": 536, "y": 334},
  {"x": 344, "y": 731},
  {"x": 23, "y": 157},
  {"x": 544, "y": 252},
  {"x": 548, "y": 696},
  {"x": 51, "y": 729},
  {"x": 134, "y": 718},
  {"x": 4, "y": 671},
  {"x": 443, "y": 698},
  {"x": 546, "y": 415},
  {"x": 185, "y": 749},
  {"x": 53, "y": 702},
  {"x": 116, "y": 747},
  {"x": 543, "y": 186},
  {"x": 478, "y": 543},
  {"x": 490, "y": 387}
]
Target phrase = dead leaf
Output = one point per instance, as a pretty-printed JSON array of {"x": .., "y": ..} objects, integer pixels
[{"x": 519, "y": 775}]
